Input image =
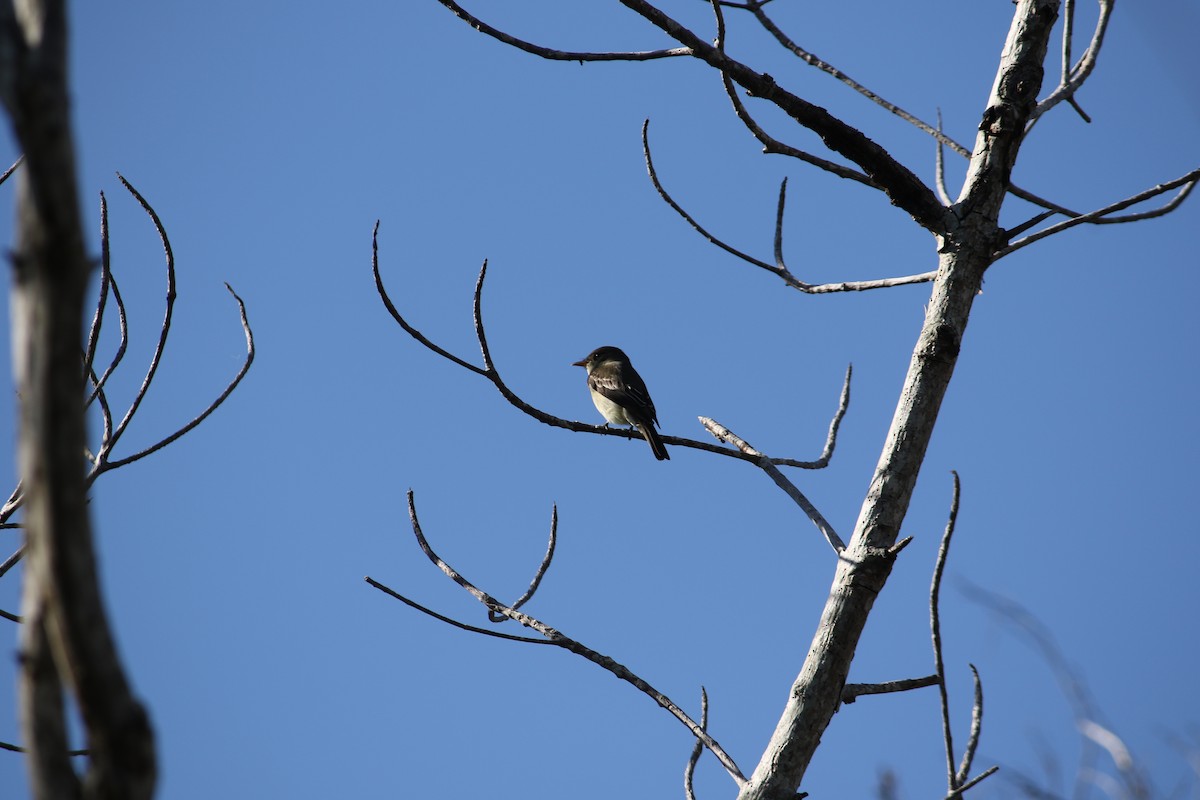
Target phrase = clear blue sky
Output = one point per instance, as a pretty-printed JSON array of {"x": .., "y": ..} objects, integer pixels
[{"x": 271, "y": 136}]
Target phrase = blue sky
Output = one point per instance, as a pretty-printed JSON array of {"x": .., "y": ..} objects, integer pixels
[{"x": 270, "y": 138}]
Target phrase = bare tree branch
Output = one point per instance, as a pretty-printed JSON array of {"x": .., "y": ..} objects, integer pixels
[
  {"x": 697, "y": 749},
  {"x": 935, "y": 627},
  {"x": 723, "y": 434},
  {"x": 964, "y": 768},
  {"x": 813, "y": 61},
  {"x": 105, "y": 466},
  {"x": 1187, "y": 182},
  {"x": 558, "y": 55},
  {"x": 11, "y": 169},
  {"x": 559, "y": 639},
  {"x": 1078, "y": 74},
  {"x": 853, "y": 691},
  {"x": 541, "y": 570},
  {"x": 779, "y": 268},
  {"x": 107, "y": 446},
  {"x": 958, "y": 793},
  {"x": 450, "y": 621}
]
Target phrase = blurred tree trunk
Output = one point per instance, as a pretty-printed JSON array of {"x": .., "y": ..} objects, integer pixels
[{"x": 65, "y": 640}]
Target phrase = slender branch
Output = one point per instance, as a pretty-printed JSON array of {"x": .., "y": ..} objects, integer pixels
[
  {"x": 939, "y": 166},
  {"x": 110, "y": 281},
  {"x": 541, "y": 570},
  {"x": 773, "y": 146},
  {"x": 689, "y": 771},
  {"x": 559, "y": 639},
  {"x": 89, "y": 355},
  {"x": 164, "y": 330},
  {"x": 1080, "y": 72},
  {"x": 492, "y": 374},
  {"x": 721, "y": 433},
  {"x": 936, "y": 628},
  {"x": 958, "y": 793},
  {"x": 964, "y": 768},
  {"x": 12, "y": 560},
  {"x": 16, "y": 748},
  {"x": 203, "y": 415},
  {"x": 853, "y": 691},
  {"x": 1187, "y": 182},
  {"x": 903, "y": 188},
  {"x": 558, "y": 55},
  {"x": 813, "y": 61},
  {"x": 450, "y": 621},
  {"x": 779, "y": 268},
  {"x": 13, "y": 168}
]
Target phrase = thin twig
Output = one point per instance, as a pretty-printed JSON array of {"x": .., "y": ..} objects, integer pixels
[
  {"x": 558, "y": 55},
  {"x": 541, "y": 570},
  {"x": 450, "y": 621},
  {"x": 213, "y": 406},
  {"x": 164, "y": 330},
  {"x": 689, "y": 771},
  {"x": 779, "y": 268},
  {"x": 14, "y": 501},
  {"x": 12, "y": 169},
  {"x": 559, "y": 639},
  {"x": 721, "y": 433},
  {"x": 12, "y": 560},
  {"x": 93, "y": 337},
  {"x": 853, "y": 691},
  {"x": 964, "y": 767},
  {"x": 1080, "y": 72},
  {"x": 958, "y": 793},
  {"x": 939, "y": 166},
  {"x": 936, "y": 628},
  {"x": 122, "y": 344},
  {"x": 829, "y": 69},
  {"x": 16, "y": 748},
  {"x": 773, "y": 146},
  {"x": 1187, "y": 182}
]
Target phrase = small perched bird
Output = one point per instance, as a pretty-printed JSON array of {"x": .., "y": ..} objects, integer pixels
[{"x": 620, "y": 394}]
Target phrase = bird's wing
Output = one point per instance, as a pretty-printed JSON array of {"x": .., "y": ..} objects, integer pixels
[{"x": 628, "y": 390}]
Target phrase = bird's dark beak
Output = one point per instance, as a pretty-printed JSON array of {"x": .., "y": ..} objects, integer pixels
[{"x": 580, "y": 363}]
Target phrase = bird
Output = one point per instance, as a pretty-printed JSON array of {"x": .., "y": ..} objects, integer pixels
[{"x": 620, "y": 394}]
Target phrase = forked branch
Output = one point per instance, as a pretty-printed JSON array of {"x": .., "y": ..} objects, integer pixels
[
  {"x": 779, "y": 268},
  {"x": 557, "y": 638}
]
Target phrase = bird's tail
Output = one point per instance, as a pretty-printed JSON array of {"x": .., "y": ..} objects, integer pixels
[{"x": 656, "y": 443}]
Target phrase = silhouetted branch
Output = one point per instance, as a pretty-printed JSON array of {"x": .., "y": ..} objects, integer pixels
[
  {"x": 813, "y": 61},
  {"x": 779, "y": 268},
  {"x": 935, "y": 627},
  {"x": 13, "y": 748},
  {"x": 558, "y": 55},
  {"x": 1187, "y": 182},
  {"x": 559, "y": 639},
  {"x": 450, "y": 621},
  {"x": 541, "y": 570},
  {"x": 964, "y": 768},
  {"x": 213, "y": 406}
]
